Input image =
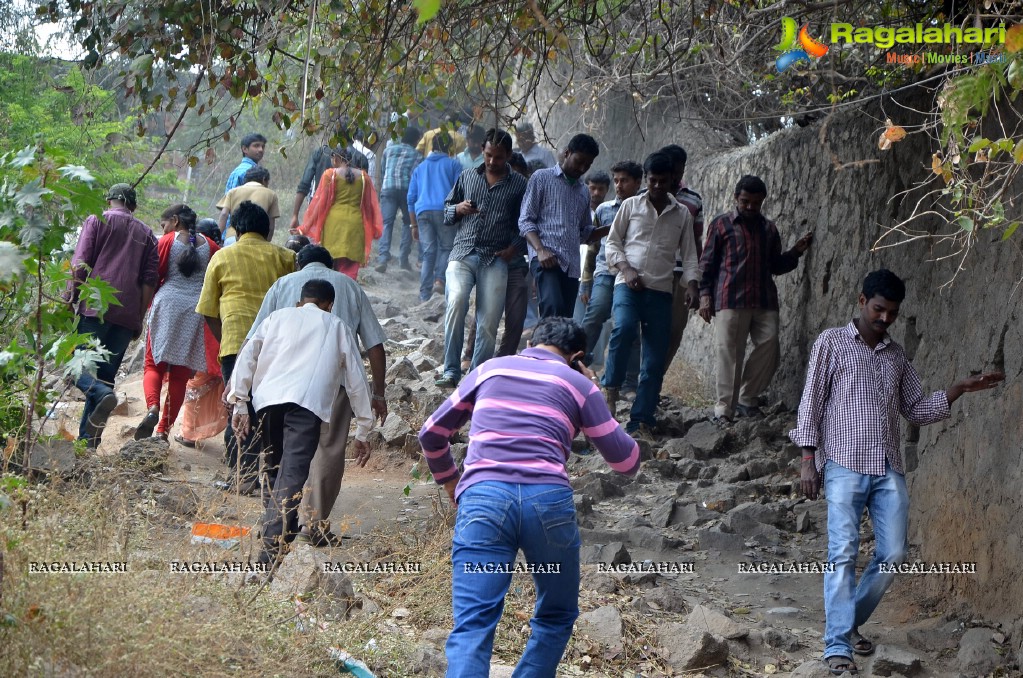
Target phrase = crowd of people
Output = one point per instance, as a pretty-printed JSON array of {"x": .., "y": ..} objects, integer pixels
[{"x": 266, "y": 344}]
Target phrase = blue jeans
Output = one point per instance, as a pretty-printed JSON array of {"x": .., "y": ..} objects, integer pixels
[
  {"x": 430, "y": 223},
  {"x": 848, "y": 604},
  {"x": 594, "y": 321},
  {"x": 114, "y": 338},
  {"x": 391, "y": 201},
  {"x": 445, "y": 241},
  {"x": 491, "y": 283},
  {"x": 632, "y": 310},
  {"x": 494, "y": 521},
  {"x": 555, "y": 290}
]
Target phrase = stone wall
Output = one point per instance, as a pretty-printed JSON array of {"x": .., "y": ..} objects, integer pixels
[{"x": 831, "y": 177}]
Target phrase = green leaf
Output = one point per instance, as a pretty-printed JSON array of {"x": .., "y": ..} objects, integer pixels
[
  {"x": 1010, "y": 230},
  {"x": 1017, "y": 152},
  {"x": 31, "y": 194},
  {"x": 11, "y": 259},
  {"x": 77, "y": 172},
  {"x": 978, "y": 144},
  {"x": 965, "y": 223},
  {"x": 427, "y": 9},
  {"x": 407, "y": 490},
  {"x": 24, "y": 157}
]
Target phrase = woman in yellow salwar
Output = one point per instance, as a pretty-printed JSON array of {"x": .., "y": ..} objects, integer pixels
[{"x": 344, "y": 214}]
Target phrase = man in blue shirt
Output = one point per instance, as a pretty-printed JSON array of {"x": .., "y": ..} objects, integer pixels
[
  {"x": 398, "y": 162},
  {"x": 430, "y": 184},
  {"x": 253, "y": 147},
  {"x": 555, "y": 220}
]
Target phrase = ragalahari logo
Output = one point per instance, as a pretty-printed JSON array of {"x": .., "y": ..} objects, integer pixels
[{"x": 791, "y": 52}]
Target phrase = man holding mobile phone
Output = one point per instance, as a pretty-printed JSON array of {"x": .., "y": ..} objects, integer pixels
[{"x": 486, "y": 242}]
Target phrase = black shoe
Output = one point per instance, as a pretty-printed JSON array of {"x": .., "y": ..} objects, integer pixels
[
  {"x": 750, "y": 411},
  {"x": 145, "y": 429},
  {"x": 97, "y": 421},
  {"x": 318, "y": 538},
  {"x": 381, "y": 267},
  {"x": 405, "y": 266},
  {"x": 246, "y": 487}
]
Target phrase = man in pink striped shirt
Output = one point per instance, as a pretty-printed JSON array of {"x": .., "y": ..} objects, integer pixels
[{"x": 514, "y": 492}]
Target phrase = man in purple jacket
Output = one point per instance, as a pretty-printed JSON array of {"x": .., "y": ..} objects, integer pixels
[
  {"x": 120, "y": 250},
  {"x": 514, "y": 491}
]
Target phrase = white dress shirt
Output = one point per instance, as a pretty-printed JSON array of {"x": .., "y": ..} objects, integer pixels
[
  {"x": 371, "y": 158},
  {"x": 302, "y": 355},
  {"x": 648, "y": 241}
]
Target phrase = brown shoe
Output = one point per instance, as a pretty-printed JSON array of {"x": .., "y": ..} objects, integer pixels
[
  {"x": 611, "y": 398},
  {"x": 438, "y": 287}
]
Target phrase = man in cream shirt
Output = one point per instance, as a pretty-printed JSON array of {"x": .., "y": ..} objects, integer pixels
[
  {"x": 295, "y": 365},
  {"x": 646, "y": 233}
]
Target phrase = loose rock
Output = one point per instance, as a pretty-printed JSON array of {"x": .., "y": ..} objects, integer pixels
[
  {"x": 302, "y": 573},
  {"x": 603, "y": 625},
  {"x": 148, "y": 455},
  {"x": 977, "y": 656},
  {"x": 889, "y": 660},
  {"x": 706, "y": 440},
  {"x": 706, "y": 619},
  {"x": 689, "y": 649},
  {"x": 713, "y": 539}
]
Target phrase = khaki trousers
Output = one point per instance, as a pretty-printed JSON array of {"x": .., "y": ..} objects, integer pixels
[
  {"x": 737, "y": 383},
  {"x": 679, "y": 318},
  {"x": 328, "y": 467}
]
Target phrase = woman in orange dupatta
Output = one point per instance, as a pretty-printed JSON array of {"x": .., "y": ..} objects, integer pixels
[
  {"x": 344, "y": 214},
  {"x": 203, "y": 415}
]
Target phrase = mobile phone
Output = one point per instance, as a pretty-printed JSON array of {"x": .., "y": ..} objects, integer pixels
[
  {"x": 472, "y": 204},
  {"x": 577, "y": 365}
]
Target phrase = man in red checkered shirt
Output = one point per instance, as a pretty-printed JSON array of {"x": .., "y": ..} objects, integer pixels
[
  {"x": 740, "y": 259},
  {"x": 858, "y": 383}
]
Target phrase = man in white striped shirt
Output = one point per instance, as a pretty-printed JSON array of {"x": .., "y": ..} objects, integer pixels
[{"x": 858, "y": 383}]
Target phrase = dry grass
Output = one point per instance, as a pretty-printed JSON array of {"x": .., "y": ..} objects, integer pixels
[
  {"x": 684, "y": 382},
  {"x": 149, "y": 621}
]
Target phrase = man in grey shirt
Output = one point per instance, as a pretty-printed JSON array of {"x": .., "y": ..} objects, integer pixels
[{"x": 352, "y": 306}]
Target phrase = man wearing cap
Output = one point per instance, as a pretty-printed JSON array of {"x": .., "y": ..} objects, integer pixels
[
  {"x": 120, "y": 250},
  {"x": 531, "y": 151}
]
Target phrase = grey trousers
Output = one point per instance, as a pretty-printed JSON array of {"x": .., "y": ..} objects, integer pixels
[{"x": 328, "y": 467}]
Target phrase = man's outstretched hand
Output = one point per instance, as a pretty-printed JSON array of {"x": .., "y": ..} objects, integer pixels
[{"x": 979, "y": 382}]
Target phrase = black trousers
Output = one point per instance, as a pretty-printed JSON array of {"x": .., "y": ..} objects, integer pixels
[
  {"x": 252, "y": 446},
  {"x": 555, "y": 290},
  {"x": 293, "y": 433}
]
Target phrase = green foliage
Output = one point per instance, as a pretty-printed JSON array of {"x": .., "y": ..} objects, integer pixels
[
  {"x": 979, "y": 168},
  {"x": 427, "y": 9},
  {"x": 48, "y": 103},
  {"x": 41, "y": 204}
]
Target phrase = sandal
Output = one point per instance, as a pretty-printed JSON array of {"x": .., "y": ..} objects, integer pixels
[
  {"x": 182, "y": 440},
  {"x": 839, "y": 664},
  {"x": 861, "y": 645}
]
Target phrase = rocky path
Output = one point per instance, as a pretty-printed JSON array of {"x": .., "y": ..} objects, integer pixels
[{"x": 704, "y": 540}]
